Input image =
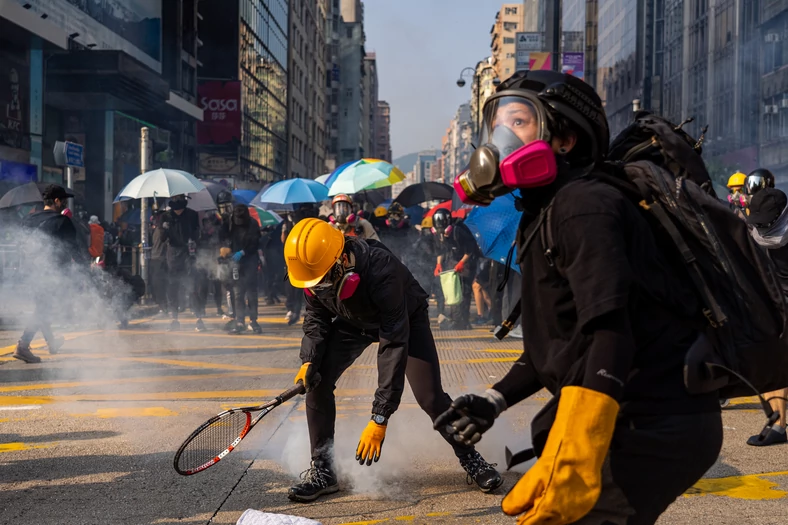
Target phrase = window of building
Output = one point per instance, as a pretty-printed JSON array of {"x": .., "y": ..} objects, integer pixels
[
  {"x": 510, "y": 26},
  {"x": 510, "y": 11},
  {"x": 508, "y": 40}
]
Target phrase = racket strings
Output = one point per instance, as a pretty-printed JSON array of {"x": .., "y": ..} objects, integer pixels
[{"x": 213, "y": 440}]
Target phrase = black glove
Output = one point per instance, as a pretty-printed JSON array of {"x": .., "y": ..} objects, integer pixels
[{"x": 471, "y": 415}]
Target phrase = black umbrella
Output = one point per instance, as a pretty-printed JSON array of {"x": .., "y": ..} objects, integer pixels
[
  {"x": 24, "y": 194},
  {"x": 424, "y": 192}
]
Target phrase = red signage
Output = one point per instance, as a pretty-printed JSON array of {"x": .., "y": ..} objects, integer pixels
[{"x": 221, "y": 102}]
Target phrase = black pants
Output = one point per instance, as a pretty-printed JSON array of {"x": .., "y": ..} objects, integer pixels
[
  {"x": 218, "y": 297},
  {"x": 652, "y": 461},
  {"x": 245, "y": 293},
  {"x": 295, "y": 299},
  {"x": 199, "y": 297},
  {"x": 158, "y": 282},
  {"x": 345, "y": 344},
  {"x": 41, "y": 321}
]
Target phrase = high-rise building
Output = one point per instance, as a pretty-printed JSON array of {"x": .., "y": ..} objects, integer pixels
[
  {"x": 352, "y": 142},
  {"x": 457, "y": 147},
  {"x": 482, "y": 88},
  {"x": 508, "y": 21},
  {"x": 95, "y": 73},
  {"x": 332, "y": 29},
  {"x": 422, "y": 171},
  {"x": 383, "y": 132},
  {"x": 370, "y": 113},
  {"x": 531, "y": 10},
  {"x": 244, "y": 82},
  {"x": 306, "y": 92},
  {"x": 774, "y": 88},
  {"x": 579, "y": 38}
]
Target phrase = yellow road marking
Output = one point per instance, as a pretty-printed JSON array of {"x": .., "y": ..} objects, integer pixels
[
  {"x": 228, "y": 336},
  {"x": 4, "y": 420},
  {"x": 490, "y": 360},
  {"x": 203, "y": 364},
  {"x": 108, "y": 413},
  {"x": 501, "y": 351},
  {"x": 748, "y": 487},
  {"x": 14, "y": 447}
]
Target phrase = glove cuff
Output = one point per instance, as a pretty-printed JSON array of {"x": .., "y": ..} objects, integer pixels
[{"x": 497, "y": 400}]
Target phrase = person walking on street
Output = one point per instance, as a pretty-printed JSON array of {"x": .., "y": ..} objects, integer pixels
[
  {"x": 242, "y": 234},
  {"x": 181, "y": 230},
  {"x": 52, "y": 248},
  {"x": 358, "y": 293}
]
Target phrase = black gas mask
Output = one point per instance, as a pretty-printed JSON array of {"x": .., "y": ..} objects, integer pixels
[
  {"x": 178, "y": 202},
  {"x": 241, "y": 215}
]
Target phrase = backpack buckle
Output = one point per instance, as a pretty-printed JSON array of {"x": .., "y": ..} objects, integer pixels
[
  {"x": 710, "y": 317},
  {"x": 548, "y": 253}
]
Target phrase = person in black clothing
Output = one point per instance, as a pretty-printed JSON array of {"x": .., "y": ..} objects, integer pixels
[
  {"x": 207, "y": 259},
  {"x": 608, "y": 318},
  {"x": 456, "y": 248},
  {"x": 358, "y": 293},
  {"x": 181, "y": 227},
  {"x": 768, "y": 219},
  {"x": 397, "y": 234},
  {"x": 274, "y": 263},
  {"x": 158, "y": 263},
  {"x": 243, "y": 235},
  {"x": 61, "y": 246}
]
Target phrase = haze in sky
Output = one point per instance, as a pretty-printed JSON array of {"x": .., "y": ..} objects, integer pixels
[{"x": 421, "y": 46}]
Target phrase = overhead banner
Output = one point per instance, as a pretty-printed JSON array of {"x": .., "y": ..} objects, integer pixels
[
  {"x": 540, "y": 61},
  {"x": 221, "y": 102},
  {"x": 527, "y": 43},
  {"x": 573, "y": 64}
]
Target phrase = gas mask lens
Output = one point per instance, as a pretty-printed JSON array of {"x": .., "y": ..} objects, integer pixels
[
  {"x": 342, "y": 211},
  {"x": 510, "y": 122}
]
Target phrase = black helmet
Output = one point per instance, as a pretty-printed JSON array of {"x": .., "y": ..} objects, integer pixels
[
  {"x": 758, "y": 180},
  {"x": 441, "y": 220},
  {"x": 564, "y": 96},
  {"x": 224, "y": 197},
  {"x": 396, "y": 209}
]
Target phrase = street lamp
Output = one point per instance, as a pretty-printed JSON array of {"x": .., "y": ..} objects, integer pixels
[{"x": 477, "y": 85}]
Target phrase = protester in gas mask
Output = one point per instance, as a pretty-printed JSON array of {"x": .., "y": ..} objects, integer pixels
[
  {"x": 358, "y": 293},
  {"x": 456, "y": 249},
  {"x": 181, "y": 231},
  {"x": 737, "y": 198},
  {"x": 607, "y": 321},
  {"x": 769, "y": 227},
  {"x": 243, "y": 235},
  {"x": 758, "y": 179},
  {"x": 348, "y": 222},
  {"x": 397, "y": 234}
]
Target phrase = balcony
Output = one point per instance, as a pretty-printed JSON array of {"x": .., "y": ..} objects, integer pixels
[{"x": 775, "y": 82}]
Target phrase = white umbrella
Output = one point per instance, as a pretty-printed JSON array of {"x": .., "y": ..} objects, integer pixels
[
  {"x": 322, "y": 179},
  {"x": 160, "y": 183},
  {"x": 201, "y": 201}
]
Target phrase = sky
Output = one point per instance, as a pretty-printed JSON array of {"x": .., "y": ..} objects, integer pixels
[{"x": 422, "y": 46}]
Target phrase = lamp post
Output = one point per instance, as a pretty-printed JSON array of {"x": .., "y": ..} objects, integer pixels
[{"x": 477, "y": 85}]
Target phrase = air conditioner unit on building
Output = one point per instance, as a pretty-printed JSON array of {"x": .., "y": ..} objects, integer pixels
[
  {"x": 784, "y": 103},
  {"x": 769, "y": 109},
  {"x": 771, "y": 37}
]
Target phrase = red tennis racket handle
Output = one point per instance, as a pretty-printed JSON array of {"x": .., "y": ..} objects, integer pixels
[{"x": 291, "y": 392}]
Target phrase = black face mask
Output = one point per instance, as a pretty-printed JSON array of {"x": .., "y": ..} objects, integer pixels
[
  {"x": 178, "y": 205},
  {"x": 240, "y": 221}
]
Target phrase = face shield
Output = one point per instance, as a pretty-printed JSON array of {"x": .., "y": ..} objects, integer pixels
[
  {"x": 512, "y": 121},
  {"x": 342, "y": 211},
  {"x": 754, "y": 184}
]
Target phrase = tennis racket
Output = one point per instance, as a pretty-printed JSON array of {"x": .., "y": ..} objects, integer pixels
[{"x": 219, "y": 436}]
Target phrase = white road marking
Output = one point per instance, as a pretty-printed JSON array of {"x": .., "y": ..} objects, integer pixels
[{"x": 23, "y": 407}]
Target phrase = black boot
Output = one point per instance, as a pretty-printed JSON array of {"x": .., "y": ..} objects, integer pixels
[
  {"x": 23, "y": 353},
  {"x": 255, "y": 327},
  {"x": 480, "y": 472},
  {"x": 317, "y": 480}
]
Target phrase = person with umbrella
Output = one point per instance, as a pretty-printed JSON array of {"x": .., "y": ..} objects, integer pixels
[
  {"x": 358, "y": 293},
  {"x": 348, "y": 222},
  {"x": 456, "y": 248},
  {"x": 181, "y": 232},
  {"x": 242, "y": 234}
]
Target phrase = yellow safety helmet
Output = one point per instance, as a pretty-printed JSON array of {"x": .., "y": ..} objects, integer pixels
[
  {"x": 737, "y": 179},
  {"x": 311, "y": 250},
  {"x": 426, "y": 222}
]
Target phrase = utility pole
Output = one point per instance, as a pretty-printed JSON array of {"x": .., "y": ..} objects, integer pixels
[
  {"x": 146, "y": 151},
  {"x": 70, "y": 186}
]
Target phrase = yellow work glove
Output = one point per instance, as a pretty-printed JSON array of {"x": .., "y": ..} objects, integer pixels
[
  {"x": 224, "y": 252},
  {"x": 308, "y": 376},
  {"x": 565, "y": 483},
  {"x": 371, "y": 443}
]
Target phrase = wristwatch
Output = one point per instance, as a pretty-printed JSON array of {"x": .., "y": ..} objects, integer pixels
[{"x": 380, "y": 420}]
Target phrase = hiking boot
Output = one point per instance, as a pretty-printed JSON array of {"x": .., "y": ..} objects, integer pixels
[
  {"x": 237, "y": 328},
  {"x": 174, "y": 326},
  {"x": 293, "y": 319},
  {"x": 316, "y": 481},
  {"x": 255, "y": 327},
  {"x": 200, "y": 327},
  {"x": 23, "y": 353},
  {"x": 55, "y": 345},
  {"x": 480, "y": 472}
]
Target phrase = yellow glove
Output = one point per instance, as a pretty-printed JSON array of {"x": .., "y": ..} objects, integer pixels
[
  {"x": 308, "y": 376},
  {"x": 565, "y": 483},
  {"x": 224, "y": 252},
  {"x": 371, "y": 443}
]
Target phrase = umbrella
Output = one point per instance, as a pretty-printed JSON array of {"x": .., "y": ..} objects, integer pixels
[
  {"x": 243, "y": 196},
  {"x": 293, "y": 191},
  {"x": 201, "y": 201},
  {"x": 266, "y": 217},
  {"x": 363, "y": 175},
  {"x": 160, "y": 183},
  {"x": 328, "y": 181},
  {"x": 24, "y": 194},
  {"x": 131, "y": 217},
  {"x": 424, "y": 192},
  {"x": 214, "y": 188},
  {"x": 495, "y": 228},
  {"x": 322, "y": 179},
  {"x": 457, "y": 214}
]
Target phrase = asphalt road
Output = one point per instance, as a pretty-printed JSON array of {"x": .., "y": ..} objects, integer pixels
[{"x": 88, "y": 436}]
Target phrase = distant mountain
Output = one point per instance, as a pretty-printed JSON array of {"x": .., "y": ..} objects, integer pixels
[{"x": 406, "y": 162}]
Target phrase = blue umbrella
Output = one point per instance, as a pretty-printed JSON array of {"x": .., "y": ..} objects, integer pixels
[
  {"x": 131, "y": 216},
  {"x": 244, "y": 196},
  {"x": 495, "y": 228},
  {"x": 293, "y": 191}
]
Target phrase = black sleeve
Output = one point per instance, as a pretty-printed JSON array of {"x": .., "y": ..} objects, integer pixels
[
  {"x": 610, "y": 354},
  {"x": 252, "y": 240},
  {"x": 67, "y": 232},
  {"x": 317, "y": 325},
  {"x": 519, "y": 383},
  {"x": 394, "y": 333},
  {"x": 466, "y": 242}
]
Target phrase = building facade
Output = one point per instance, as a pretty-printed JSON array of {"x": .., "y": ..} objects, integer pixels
[
  {"x": 579, "y": 35},
  {"x": 307, "y": 93},
  {"x": 244, "y": 88},
  {"x": 482, "y": 88},
  {"x": 332, "y": 29},
  {"x": 94, "y": 75},
  {"x": 383, "y": 132},
  {"x": 422, "y": 171},
  {"x": 508, "y": 21},
  {"x": 370, "y": 104},
  {"x": 774, "y": 88},
  {"x": 352, "y": 142},
  {"x": 457, "y": 146}
]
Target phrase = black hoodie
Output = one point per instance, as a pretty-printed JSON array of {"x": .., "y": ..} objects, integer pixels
[{"x": 63, "y": 233}]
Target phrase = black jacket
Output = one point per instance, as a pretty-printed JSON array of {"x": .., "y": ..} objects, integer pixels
[
  {"x": 246, "y": 238},
  {"x": 63, "y": 233},
  {"x": 385, "y": 300},
  {"x": 178, "y": 230}
]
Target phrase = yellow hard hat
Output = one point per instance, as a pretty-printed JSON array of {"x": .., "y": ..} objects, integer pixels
[
  {"x": 311, "y": 250},
  {"x": 426, "y": 222},
  {"x": 381, "y": 211},
  {"x": 737, "y": 179}
]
